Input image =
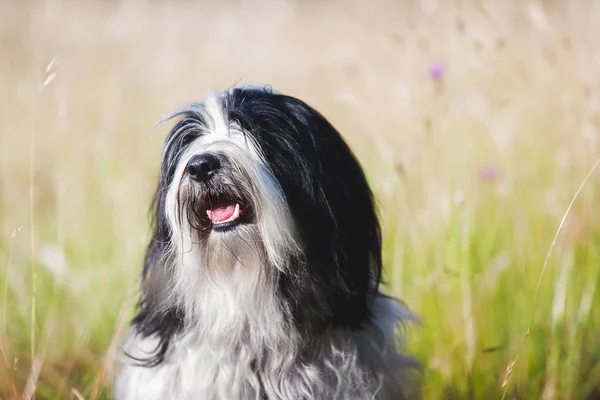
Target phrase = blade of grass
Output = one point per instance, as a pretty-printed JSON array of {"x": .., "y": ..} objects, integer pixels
[{"x": 511, "y": 366}]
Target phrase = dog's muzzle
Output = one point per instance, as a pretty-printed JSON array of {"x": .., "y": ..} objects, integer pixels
[{"x": 219, "y": 204}]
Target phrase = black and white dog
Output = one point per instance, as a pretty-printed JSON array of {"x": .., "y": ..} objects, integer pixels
[{"x": 261, "y": 280}]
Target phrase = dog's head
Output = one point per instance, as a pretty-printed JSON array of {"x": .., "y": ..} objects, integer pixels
[{"x": 259, "y": 193}]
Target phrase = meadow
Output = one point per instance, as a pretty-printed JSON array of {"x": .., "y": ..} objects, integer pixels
[{"x": 477, "y": 123}]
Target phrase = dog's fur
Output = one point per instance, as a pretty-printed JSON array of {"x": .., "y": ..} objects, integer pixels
[{"x": 283, "y": 304}]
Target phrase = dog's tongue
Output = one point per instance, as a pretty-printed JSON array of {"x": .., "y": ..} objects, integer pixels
[{"x": 223, "y": 213}]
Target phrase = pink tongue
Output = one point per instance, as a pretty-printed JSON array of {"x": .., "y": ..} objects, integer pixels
[{"x": 221, "y": 214}]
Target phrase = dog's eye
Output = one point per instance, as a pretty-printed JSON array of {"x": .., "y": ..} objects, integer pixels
[{"x": 187, "y": 139}]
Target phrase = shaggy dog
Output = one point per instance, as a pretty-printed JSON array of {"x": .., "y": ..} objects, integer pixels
[{"x": 261, "y": 280}]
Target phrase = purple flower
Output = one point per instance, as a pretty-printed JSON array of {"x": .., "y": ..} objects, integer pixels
[
  {"x": 436, "y": 72},
  {"x": 489, "y": 172}
]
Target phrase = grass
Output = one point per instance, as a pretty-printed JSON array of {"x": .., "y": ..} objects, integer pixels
[{"x": 474, "y": 171}]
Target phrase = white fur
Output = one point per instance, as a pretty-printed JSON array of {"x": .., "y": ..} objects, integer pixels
[
  {"x": 353, "y": 366},
  {"x": 235, "y": 316}
]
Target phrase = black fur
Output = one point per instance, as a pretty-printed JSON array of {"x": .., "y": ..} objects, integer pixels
[{"x": 334, "y": 280}]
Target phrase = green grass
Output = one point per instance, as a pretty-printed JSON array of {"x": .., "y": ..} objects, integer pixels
[{"x": 473, "y": 174}]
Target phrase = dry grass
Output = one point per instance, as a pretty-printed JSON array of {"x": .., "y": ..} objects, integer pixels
[{"x": 473, "y": 171}]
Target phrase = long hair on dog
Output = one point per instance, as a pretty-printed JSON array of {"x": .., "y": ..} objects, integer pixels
[{"x": 261, "y": 279}]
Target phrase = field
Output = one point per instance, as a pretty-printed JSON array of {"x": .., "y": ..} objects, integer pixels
[{"x": 477, "y": 123}]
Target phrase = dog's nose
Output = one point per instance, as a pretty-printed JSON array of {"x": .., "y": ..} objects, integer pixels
[{"x": 202, "y": 166}]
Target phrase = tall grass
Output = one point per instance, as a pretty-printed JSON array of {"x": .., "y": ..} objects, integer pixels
[{"x": 477, "y": 123}]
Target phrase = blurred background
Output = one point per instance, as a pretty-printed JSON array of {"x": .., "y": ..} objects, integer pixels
[{"x": 476, "y": 121}]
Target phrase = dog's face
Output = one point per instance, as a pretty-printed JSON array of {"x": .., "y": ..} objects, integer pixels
[
  {"x": 224, "y": 205},
  {"x": 259, "y": 196}
]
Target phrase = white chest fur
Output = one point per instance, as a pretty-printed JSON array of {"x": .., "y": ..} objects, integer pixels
[{"x": 338, "y": 365}]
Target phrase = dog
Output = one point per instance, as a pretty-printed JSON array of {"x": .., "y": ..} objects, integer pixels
[{"x": 262, "y": 277}]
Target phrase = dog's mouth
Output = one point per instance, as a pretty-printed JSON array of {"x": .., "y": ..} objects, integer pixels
[{"x": 224, "y": 212}]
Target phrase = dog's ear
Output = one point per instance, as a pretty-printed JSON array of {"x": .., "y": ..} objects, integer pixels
[
  {"x": 159, "y": 240},
  {"x": 161, "y": 231},
  {"x": 332, "y": 204},
  {"x": 340, "y": 226},
  {"x": 155, "y": 317}
]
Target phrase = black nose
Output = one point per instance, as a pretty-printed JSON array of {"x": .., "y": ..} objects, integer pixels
[{"x": 202, "y": 166}]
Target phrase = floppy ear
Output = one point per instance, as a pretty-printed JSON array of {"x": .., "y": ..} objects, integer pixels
[
  {"x": 340, "y": 225},
  {"x": 339, "y": 269},
  {"x": 161, "y": 234},
  {"x": 155, "y": 316},
  {"x": 158, "y": 247}
]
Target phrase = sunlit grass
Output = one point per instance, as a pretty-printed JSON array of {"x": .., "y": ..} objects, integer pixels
[{"x": 476, "y": 126}]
